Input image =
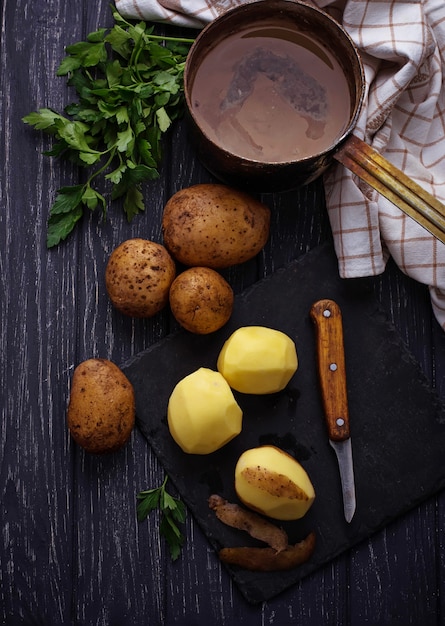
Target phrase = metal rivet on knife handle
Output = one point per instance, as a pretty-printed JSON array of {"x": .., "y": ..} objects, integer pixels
[{"x": 327, "y": 317}]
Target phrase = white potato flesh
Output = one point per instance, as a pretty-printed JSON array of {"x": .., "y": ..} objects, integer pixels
[
  {"x": 203, "y": 414},
  {"x": 258, "y": 360},
  {"x": 272, "y": 482}
]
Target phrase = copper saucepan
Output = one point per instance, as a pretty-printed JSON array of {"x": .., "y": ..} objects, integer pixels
[{"x": 212, "y": 95}]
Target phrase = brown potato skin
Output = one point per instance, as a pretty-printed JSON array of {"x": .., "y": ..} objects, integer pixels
[
  {"x": 101, "y": 408},
  {"x": 255, "y": 525},
  {"x": 214, "y": 226},
  {"x": 267, "y": 559},
  {"x": 138, "y": 276},
  {"x": 201, "y": 300}
]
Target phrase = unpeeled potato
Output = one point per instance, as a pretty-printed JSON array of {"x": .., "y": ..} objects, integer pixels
[
  {"x": 201, "y": 300},
  {"x": 101, "y": 409},
  {"x": 215, "y": 226},
  {"x": 138, "y": 276}
]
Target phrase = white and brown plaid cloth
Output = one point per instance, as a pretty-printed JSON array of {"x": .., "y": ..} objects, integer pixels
[{"x": 402, "y": 45}]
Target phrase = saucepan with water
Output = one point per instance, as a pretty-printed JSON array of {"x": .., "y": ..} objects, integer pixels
[{"x": 273, "y": 90}]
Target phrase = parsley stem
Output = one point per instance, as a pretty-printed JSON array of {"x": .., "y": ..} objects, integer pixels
[
  {"x": 175, "y": 39},
  {"x": 112, "y": 152},
  {"x": 172, "y": 512},
  {"x": 119, "y": 19}
]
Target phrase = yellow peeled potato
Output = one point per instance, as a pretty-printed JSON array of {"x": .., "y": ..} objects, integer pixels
[
  {"x": 272, "y": 482},
  {"x": 258, "y": 360},
  {"x": 202, "y": 413}
]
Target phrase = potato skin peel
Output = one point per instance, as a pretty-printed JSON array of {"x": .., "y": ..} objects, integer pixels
[
  {"x": 267, "y": 559},
  {"x": 257, "y": 527},
  {"x": 278, "y": 556}
]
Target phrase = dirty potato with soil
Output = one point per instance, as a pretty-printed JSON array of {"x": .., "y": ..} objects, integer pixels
[
  {"x": 201, "y": 300},
  {"x": 138, "y": 277},
  {"x": 101, "y": 409},
  {"x": 215, "y": 226}
]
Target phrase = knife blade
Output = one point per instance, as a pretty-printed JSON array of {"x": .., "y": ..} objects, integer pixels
[{"x": 327, "y": 317}]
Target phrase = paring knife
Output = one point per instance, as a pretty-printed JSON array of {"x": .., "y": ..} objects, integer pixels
[{"x": 327, "y": 317}]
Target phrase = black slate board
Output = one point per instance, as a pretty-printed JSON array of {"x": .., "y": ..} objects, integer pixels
[{"x": 397, "y": 421}]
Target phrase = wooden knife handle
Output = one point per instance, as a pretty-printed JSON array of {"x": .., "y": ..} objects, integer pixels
[{"x": 327, "y": 318}]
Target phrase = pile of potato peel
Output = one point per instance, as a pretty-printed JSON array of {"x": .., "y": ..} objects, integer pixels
[{"x": 278, "y": 556}]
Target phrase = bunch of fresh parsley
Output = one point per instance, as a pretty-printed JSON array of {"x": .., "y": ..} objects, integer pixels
[
  {"x": 172, "y": 512},
  {"x": 129, "y": 83}
]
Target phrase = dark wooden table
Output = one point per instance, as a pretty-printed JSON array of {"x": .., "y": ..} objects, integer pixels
[{"x": 72, "y": 551}]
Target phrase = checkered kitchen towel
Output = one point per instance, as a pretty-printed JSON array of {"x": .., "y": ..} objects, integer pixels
[{"x": 402, "y": 44}]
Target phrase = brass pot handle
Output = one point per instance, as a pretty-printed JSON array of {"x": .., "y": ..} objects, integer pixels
[{"x": 392, "y": 183}]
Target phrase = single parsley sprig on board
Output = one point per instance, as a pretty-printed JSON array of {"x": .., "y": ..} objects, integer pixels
[
  {"x": 129, "y": 84},
  {"x": 172, "y": 513}
]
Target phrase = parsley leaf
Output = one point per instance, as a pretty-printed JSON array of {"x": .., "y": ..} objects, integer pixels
[
  {"x": 129, "y": 86},
  {"x": 172, "y": 513}
]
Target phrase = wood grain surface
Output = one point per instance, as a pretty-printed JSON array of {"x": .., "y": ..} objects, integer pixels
[{"x": 71, "y": 549}]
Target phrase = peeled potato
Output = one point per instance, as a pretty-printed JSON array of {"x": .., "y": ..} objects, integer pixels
[
  {"x": 203, "y": 414},
  {"x": 201, "y": 300},
  {"x": 258, "y": 360},
  {"x": 271, "y": 482},
  {"x": 215, "y": 226},
  {"x": 101, "y": 409},
  {"x": 138, "y": 276}
]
